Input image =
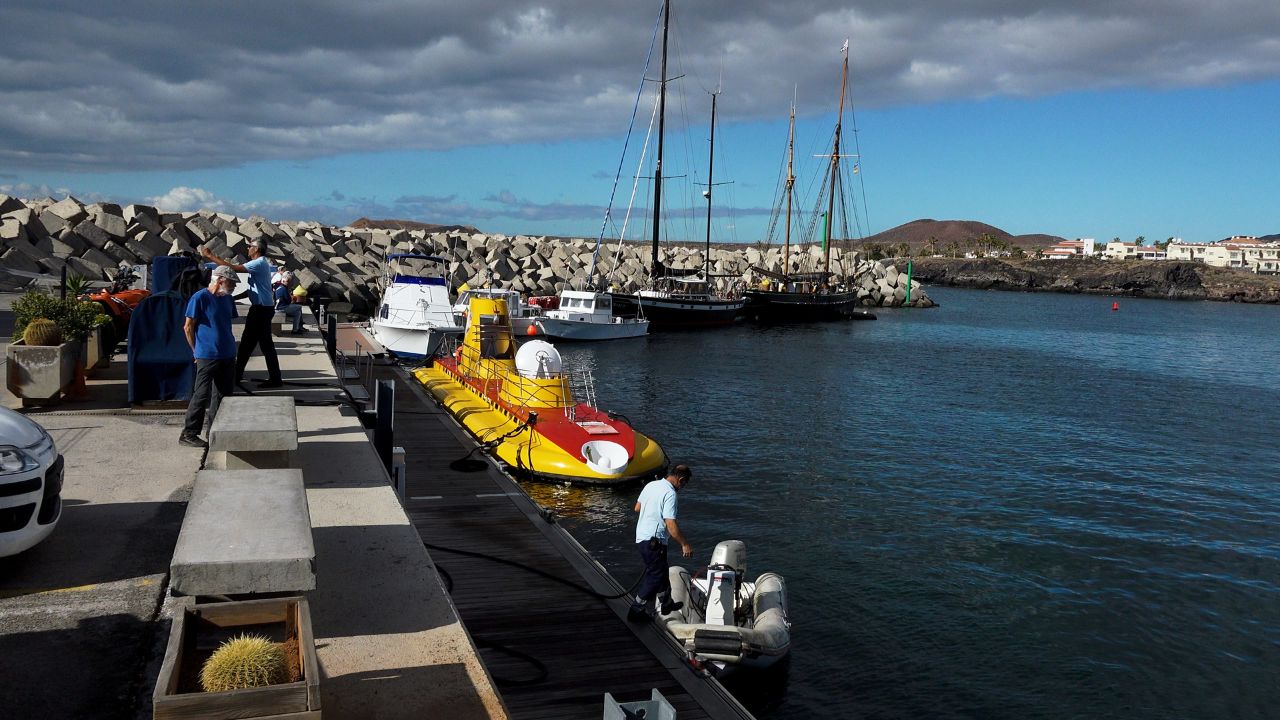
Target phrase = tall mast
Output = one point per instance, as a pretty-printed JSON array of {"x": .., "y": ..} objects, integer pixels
[
  {"x": 662, "y": 122},
  {"x": 835, "y": 166},
  {"x": 791, "y": 183},
  {"x": 711, "y": 164}
]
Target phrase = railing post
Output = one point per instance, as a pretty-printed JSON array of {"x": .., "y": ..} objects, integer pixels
[
  {"x": 331, "y": 338},
  {"x": 384, "y": 425}
]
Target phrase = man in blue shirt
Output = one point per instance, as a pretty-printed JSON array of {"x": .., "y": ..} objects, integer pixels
[
  {"x": 257, "y": 324},
  {"x": 658, "y": 506},
  {"x": 208, "y": 331}
]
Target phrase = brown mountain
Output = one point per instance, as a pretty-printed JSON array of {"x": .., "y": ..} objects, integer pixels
[
  {"x": 410, "y": 225},
  {"x": 918, "y": 233}
]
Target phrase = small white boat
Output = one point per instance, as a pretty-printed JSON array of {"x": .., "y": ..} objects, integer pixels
[
  {"x": 415, "y": 315},
  {"x": 725, "y": 620},
  {"x": 588, "y": 315},
  {"x": 522, "y": 314}
]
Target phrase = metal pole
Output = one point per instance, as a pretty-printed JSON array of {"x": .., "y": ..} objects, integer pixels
[
  {"x": 384, "y": 425},
  {"x": 331, "y": 338},
  {"x": 63, "y": 294}
]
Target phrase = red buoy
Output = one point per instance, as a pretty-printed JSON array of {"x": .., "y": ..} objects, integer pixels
[
  {"x": 533, "y": 330},
  {"x": 1115, "y": 306}
]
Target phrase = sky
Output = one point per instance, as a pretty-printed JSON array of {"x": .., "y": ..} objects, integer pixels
[{"x": 1123, "y": 118}]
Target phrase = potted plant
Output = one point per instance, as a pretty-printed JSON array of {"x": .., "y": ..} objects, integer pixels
[
  {"x": 44, "y": 362},
  {"x": 224, "y": 660}
]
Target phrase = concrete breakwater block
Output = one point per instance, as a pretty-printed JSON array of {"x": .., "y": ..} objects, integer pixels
[
  {"x": 245, "y": 531},
  {"x": 344, "y": 264}
]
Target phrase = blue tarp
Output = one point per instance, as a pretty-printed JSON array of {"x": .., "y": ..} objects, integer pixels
[{"x": 161, "y": 366}]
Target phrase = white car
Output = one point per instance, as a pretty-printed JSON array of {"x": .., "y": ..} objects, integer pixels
[{"x": 30, "y": 483}]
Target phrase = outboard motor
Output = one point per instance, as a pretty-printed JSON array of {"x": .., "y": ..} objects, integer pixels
[{"x": 724, "y": 577}]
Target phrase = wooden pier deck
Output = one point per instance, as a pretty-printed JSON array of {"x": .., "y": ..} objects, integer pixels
[{"x": 583, "y": 645}]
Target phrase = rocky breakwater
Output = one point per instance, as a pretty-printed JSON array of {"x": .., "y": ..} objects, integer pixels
[
  {"x": 44, "y": 236},
  {"x": 1133, "y": 278}
]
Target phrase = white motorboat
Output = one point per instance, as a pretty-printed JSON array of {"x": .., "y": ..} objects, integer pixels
[
  {"x": 415, "y": 315},
  {"x": 588, "y": 315},
  {"x": 522, "y": 314},
  {"x": 726, "y": 621}
]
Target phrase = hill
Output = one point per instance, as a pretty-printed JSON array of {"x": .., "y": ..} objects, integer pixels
[
  {"x": 919, "y": 233},
  {"x": 367, "y": 224}
]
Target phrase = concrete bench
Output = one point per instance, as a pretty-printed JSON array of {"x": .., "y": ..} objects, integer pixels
[
  {"x": 253, "y": 432},
  {"x": 245, "y": 531}
]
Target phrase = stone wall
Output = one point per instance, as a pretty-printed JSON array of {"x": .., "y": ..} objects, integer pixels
[{"x": 43, "y": 236}]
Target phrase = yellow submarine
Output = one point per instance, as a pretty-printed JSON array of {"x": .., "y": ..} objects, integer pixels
[{"x": 517, "y": 401}]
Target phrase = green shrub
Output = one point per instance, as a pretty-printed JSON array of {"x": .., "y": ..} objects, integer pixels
[{"x": 76, "y": 318}]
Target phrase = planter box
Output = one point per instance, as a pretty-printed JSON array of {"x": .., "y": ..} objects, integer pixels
[
  {"x": 200, "y": 629},
  {"x": 38, "y": 373},
  {"x": 96, "y": 352}
]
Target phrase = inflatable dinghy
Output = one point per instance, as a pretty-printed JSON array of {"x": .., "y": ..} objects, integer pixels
[{"x": 725, "y": 620}]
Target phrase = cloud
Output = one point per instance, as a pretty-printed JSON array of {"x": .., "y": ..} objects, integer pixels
[
  {"x": 191, "y": 85},
  {"x": 187, "y": 199}
]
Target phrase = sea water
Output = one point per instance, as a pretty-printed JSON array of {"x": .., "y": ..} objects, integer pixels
[{"x": 1011, "y": 506}]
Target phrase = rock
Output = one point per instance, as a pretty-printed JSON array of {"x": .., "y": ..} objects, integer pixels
[
  {"x": 144, "y": 214},
  {"x": 15, "y": 259},
  {"x": 112, "y": 225},
  {"x": 92, "y": 234},
  {"x": 202, "y": 229},
  {"x": 52, "y": 223},
  {"x": 69, "y": 209},
  {"x": 69, "y": 243},
  {"x": 119, "y": 253}
]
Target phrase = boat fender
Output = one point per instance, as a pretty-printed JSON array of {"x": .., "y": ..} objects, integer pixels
[{"x": 716, "y": 642}]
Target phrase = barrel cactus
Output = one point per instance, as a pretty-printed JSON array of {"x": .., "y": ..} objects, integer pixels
[
  {"x": 42, "y": 331},
  {"x": 244, "y": 662}
]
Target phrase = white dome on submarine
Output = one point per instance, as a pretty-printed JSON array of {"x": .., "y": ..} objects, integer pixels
[{"x": 538, "y": 359}]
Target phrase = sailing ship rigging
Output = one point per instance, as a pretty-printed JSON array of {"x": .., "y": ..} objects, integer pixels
[
  {"x": 797, "y": 297},
  {"x": 674, "y": 298}
]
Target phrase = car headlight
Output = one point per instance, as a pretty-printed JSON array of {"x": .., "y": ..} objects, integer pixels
[{"x": 14, "y": 460}]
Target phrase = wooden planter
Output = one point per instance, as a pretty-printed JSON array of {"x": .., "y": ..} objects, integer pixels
[
  {"x": 38, "y": 373},
  {"x": 200, "y": 629}
]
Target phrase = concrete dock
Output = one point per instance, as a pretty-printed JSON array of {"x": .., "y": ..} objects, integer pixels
[{"x": 85, "y": 615}]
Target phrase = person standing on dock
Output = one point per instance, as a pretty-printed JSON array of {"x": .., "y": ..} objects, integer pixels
[
  {"x": 213, "y": 345},
  {"x": 257, "y": 325},
  {"x": 658, "y": 506}
]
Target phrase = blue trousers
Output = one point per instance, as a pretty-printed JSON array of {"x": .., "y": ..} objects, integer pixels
[{"x": 655, "y": 583}]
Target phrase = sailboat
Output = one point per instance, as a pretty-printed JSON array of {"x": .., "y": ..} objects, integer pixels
[
  {"x": 811, "y": 296},
  {"x": 674, "y": 299}
]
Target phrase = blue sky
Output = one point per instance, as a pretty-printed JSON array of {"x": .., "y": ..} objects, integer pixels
[{"x": 1126, "y": 119}]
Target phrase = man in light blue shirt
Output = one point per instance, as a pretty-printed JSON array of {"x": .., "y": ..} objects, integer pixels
[
  {"x": 658, "y": 506},
  {"x": 257, "y": 324}
]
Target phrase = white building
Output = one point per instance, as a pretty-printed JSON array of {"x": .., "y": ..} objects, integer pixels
[
  {"x": 1117, "y": 250},
  {"x": 1240, "y": 251},
  {"x": 1082, "y": 247}
]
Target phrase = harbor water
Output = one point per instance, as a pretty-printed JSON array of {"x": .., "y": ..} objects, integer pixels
[{"x": 1012, "y": 506}]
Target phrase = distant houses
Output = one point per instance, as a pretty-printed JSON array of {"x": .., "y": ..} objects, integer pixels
[
  {"x": 1241, "y": 251},
  {"x": 1067, "y": 249}
]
